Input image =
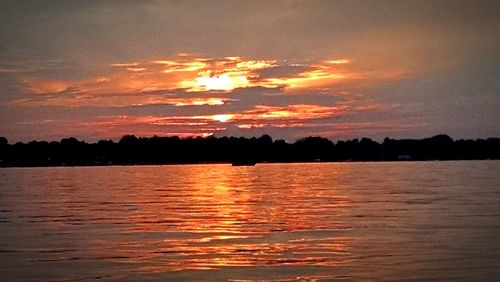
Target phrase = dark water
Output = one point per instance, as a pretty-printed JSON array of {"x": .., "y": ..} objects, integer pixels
[{"x": 286, "y": 222}]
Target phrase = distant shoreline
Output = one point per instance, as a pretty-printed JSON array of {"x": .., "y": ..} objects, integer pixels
[
  {"x": 131, "y": 150},
  {"x": 257, "y": 164}
]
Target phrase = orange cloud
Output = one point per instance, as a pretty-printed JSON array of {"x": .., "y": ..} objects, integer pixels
[
  {"x": 300, "y": 111},
  {"x": 279, "y": 116},
  {"x": 182, "y": 126},
  {"x": 189, "y": 81},
  {"x": 225, "y": 74},
  {"x": 320, "y": 74},
  {"x": 202, "y": 125},
  {"x": 309, "y": 118},
  {"x": 193, "y": 74},
  {"x": 121, "y": 101}
]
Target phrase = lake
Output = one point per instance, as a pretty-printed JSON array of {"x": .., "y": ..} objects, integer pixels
[{"x": 287, "y": 222}]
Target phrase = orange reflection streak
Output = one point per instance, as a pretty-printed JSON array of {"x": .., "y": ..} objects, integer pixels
[
  {"x": 211, "y": 217},
  {"x": 223, "y": 217}
]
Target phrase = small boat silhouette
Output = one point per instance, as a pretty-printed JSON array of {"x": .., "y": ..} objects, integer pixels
[{"x": 244, "y": 163}]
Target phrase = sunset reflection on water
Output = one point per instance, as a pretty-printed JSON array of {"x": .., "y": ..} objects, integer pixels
[
  {"x": 231, "y": 217},
  {"x": 284, "y": 222}
]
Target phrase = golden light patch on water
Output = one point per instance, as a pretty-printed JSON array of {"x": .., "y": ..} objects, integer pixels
[
  {"x": 214, "y": 223},
  {"x": 284, "y": 222}
]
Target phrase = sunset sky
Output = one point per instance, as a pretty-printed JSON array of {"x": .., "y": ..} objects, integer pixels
[{"x": 339, "y": 69}]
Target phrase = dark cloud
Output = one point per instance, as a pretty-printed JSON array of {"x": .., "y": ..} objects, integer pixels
[{"x": 283, "y": 71}]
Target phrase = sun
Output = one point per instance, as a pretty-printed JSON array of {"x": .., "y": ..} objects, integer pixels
[
  {"x": 222, "y": 118},
  {"x": 221, "y": 82}
]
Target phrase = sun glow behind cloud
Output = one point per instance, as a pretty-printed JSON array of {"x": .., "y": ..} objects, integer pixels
[
  {"x": 194, "y": 74},
  {"x": 198, "y": 125},
  {"x": 303, "y": 117},
  {"x": 220, "y": 82},
  {"x": 222, "y": 118},
  {"x": 197, "y": 84}
]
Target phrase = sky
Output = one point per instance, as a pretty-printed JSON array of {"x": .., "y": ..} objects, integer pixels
[{"x": 288, "y": 68}]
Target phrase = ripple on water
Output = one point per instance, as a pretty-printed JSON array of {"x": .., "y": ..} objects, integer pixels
[{"x": 286, "y": 222}]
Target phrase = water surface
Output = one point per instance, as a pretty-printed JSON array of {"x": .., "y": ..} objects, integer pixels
[{"x": 287, "y": 222}]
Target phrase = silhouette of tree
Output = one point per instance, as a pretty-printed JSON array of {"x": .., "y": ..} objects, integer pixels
[
  {"x": 167, "y": 150},
  {"x": 313, "y": 149},
  {"x": 3, "y": 149},
  {"x": 3, "y": 141}
]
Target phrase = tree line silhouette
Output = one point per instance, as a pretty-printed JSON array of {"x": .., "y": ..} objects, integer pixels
[{"x": 174, "y": 150}]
